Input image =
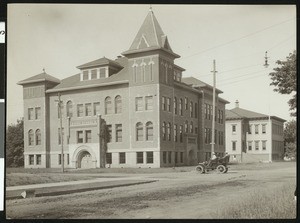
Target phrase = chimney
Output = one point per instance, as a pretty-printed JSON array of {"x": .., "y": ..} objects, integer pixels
[{"x": 237, "y": 104}]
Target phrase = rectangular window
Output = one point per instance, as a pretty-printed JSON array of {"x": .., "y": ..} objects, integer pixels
[
  {"x": 169, "y": 104},
  {"x": 180, "y": 107},
  {"x": 94, "y": 74},
  {"x": 30, "y": 114},
  {"x": 264, "y": 145},
  {"x": 175, "y": 133},
  {"x": 109, "y": 129},
  {"x": 79, "y": 136},
  {"x": 80, "y": 110},
  {"x": 59, "y": 159},
  {"x": 206, "y": 110},
  {"x": 108, "y": 158},
  {"x": 206, "y": 135},
  {"x": 122, "y": 158},
  {"x": 38, "y": 113},
  {"x": 139, "y": 157},
  {"x": 163, "y": 103},
  {"x": 119, "y": 133},
  {"x": 88, "y": 109},
  {"x": 249, "y": 145},
  {"x": 38, "y": 159},
  {"x": 256, "y": 145},
  {"x": 233, "y": 129},
  {"x": 181, "y": 133},
  {"x": 97, "y": 108},
  {"x": 233, "y": 145},
  {"x": 102, "y": 72},
  {"x": 256, "y": 129},
  {"x": 164, "y": 157},
  {"x": 149, "y": 157},
  {"x": 170, "y": 157},
  {"x": 85, "y": 75},
  {"x": 31, "y": 159},
  {"x": 196, "y": 110},
  {"x": 139, "y": 103},
  {"x": 181, "y": 157},
  {"x": 59, "y": 136},
  {"x": 68, "y": 159},
  {"x": 222, "y": 117},
  {"x": 191, "y": 109},
  {"x": 186, "y": 103},
  {"x": 211, "y": 112},
  {"x": 263, "y": 128},
  {"x": 176, "y": 157},
  {"x": 88, "y": 136},
  {"x": 250, "y": 129},
  {"x": 219, "y": 116},
  {"x": 149, "y": 103}
]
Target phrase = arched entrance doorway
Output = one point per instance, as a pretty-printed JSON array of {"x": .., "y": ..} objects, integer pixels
[
  {"x": 85, "y": 160},
  {"x": 191, "y": 157}
]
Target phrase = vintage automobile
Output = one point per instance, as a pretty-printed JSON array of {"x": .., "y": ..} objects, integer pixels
[{"x": 219, "y": 164}]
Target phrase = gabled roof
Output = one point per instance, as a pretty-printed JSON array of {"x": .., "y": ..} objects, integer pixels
[
  {"x": 194, "y": 82},
  {"x": 73, "y": 82},
  {"x": 239, "y": 113},
  {"x": 42, "y": 77},
  {"x": 150, "y": 37},
  {"x": 100, "y": 62}
]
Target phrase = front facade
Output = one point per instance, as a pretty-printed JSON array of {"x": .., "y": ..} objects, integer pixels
[
  {"x": 253, "y": 137},
  {"x": 155, "y": 118}
]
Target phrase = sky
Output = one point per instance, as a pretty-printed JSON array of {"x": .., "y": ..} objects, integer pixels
[{"x": 61, "y": 37}]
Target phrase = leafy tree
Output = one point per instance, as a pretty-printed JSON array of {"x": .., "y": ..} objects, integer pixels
[
  {"x": 290, "y": 138},
  {"x": 15, "y": 144},
  {"x": 284, "y": 79}
]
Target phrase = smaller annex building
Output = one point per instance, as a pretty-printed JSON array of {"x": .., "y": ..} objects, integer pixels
[{"x": 253, "y": 137}]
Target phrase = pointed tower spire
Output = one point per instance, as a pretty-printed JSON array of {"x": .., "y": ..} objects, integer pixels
[{"x": 150, "y": 37}]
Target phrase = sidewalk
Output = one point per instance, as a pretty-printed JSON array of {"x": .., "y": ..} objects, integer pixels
[{"x": 59, "y": 188}]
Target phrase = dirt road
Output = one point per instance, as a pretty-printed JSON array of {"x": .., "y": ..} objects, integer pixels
[{"x": 174, "y": 195}]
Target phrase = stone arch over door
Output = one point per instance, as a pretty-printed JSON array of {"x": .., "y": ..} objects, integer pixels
[{"x": 84, "y": 157}]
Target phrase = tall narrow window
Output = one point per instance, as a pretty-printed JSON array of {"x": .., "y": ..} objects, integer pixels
[
  {"x": 151, "y": 70},
  {"x": 109, "y": 133},
  {"x": 221, "y": 117},
  {"x": 135, "y": 72},
  {"x": 164, "y": 131},
  {"x": 206, "y": 110},
  {"x": 59, "y": 136},
  {"x": 175, "y": 133},
  {"x": 180, "y": 106},
  {"x": 211, "y": 112},
  {"x": 31, "y": 159},
  {"x": 263, "y": 128},
  {"x": 175, "y": 105},
  {"x": 108, "y": 158},
  {"x": 88, "y": 109},
  {"x": 61, "y": 110},
  {"x": 80, "y": 110},
  {"x": 69, "y": 109},
  {"x": 38, "y": 113},
  {"x": 139, "y": 103},
  {"x": 181, "y": 133},
  {"x": 166, "y": 73},
  {"x": 256, "y": 145},
  {"x": 30, "y": 137},
  {"x": 191, "y": 109},
  {"x": 181, "y": 157},
  {"x": 118, "y": 104},
  {"x": 186, "y": 127},
  {"x": 169, "y": 104},
  {"x": 264, "y": 145},
  {"x": 119, "y": 133},
  {"x": 88, "y": 136},
  {"x": 38, "y": 159},
  {"x": 122, "y": 158},
  {"x": 79, "y": 136},
  {"x": 169, "y": 131},
  {"x": 191, "y": 127},
  {"x": 139, "y": 157},
  {"x": 143, "y": 67},
  {"x": 196, "y": 110},
  {"x": 233, "y": 129},
  {"x": 233, "y": 145},
  {"x": 206, "y": 135},
  {"x": 94, "y": 74},
  {"x": 186, "y": 103},
  {"x": 164, "y": 157},
  {"x": 139, "y": 131},
  {"x": 108, "y": 105},
  {"x": 149, "y": 157},
  {"x": 250, "y": 129},
  {"x": 256, "y": 129},
  {"x": 38, "y": 137},
  {"x": 96, "y": 108},
  {"x": 249, "y": 145},
  {"x": 149, "y": 103},
  {"x": 163, "y": 103},
  {"x": 30, "y": 114},
  {"x": 102, "y": 72},
  {"x": 149, "y": 131},
  {"x": 170, "y": 156}
]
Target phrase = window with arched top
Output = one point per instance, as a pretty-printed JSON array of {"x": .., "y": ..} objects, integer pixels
[
  {"x": 118, "y": 104},
  {"x": 139, "y": 131},
  {"x": 149, "y": 131},
  {"x": 191, "y": 109},
  {"x": 38, "y": 137},
  {"x": 175, "y": 105},
  {"x": 30, "y": 137},
  {"x": 69, "y": 109},
  {"x": 164, "y": 131},
  {"x": 108, "y": 105},
  {"x": 180, "y": 106}
]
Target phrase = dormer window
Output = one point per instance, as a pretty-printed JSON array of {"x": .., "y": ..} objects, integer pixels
[
  {"x": 93, "y": 74},
  {"x": 85, "y": 75},
  {"x": 102, "y": 72}
]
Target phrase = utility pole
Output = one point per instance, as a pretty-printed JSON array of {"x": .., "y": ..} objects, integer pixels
[
  {"x": 214, "y": 107},
  {"x": 61, "y": 133}
]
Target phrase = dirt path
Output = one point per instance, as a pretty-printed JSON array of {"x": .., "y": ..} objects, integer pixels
[{"x": 175, "y": 195}]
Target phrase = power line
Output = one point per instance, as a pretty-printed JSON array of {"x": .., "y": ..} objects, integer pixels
[
  {"x": 234, "y": 40},
  {"x": 241, "y": 76},
  {"x": 256, "y": 76}
]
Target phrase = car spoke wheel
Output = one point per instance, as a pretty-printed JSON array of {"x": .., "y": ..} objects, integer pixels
[
  {"x": 221, "y": 169},
  {"x": 200, "y": 169}
]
